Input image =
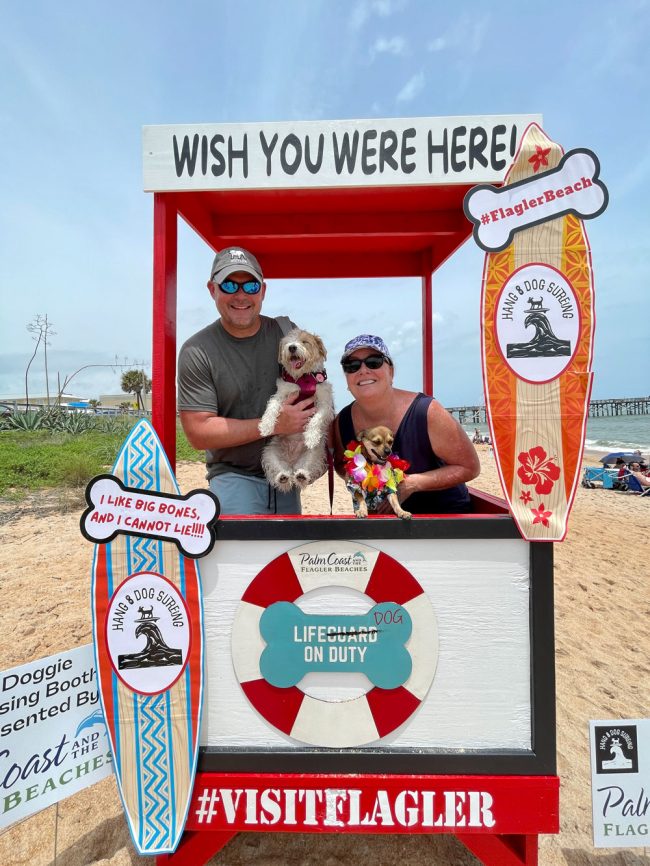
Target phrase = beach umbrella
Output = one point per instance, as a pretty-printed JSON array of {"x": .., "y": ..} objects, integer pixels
[{"x": 626, "y": 455}]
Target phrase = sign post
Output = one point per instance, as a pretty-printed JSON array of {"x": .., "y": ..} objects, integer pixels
[{"x": 620, "y": 782}]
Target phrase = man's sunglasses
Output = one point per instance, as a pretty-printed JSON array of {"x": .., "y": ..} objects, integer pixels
[
  {"x": 230, "y": 287},
  {"x": 372, "y": 362}
]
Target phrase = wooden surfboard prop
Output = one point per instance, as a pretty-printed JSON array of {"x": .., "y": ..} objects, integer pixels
[
  {"x": 154, "y": 737},
  {"x": 538, "y": 427}
]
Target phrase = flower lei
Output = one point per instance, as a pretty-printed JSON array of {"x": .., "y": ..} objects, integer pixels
[{"x": 372, "y": 479}]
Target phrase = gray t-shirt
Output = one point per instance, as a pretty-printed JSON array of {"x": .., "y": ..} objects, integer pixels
[{"x": 234, "y": 378}]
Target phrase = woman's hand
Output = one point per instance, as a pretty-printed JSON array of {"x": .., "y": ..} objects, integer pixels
[{"x": 409, "y": 485}]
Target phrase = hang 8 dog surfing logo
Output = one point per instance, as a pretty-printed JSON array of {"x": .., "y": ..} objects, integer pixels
[
  {"x": 616, "y": 749},
  {"x": 335, "y": 644},
  {"x": 537, "y": 323},
  {"x": 147, "y": 633}
]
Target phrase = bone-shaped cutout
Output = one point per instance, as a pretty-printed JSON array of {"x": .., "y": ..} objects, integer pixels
[
  {"x": 186, "y": 520},
  {"x": 300, "y": 643},
  {"x": 572, "y": 187}
]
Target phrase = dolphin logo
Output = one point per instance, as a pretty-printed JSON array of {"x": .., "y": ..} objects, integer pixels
[{"x": 95, "y": 718}]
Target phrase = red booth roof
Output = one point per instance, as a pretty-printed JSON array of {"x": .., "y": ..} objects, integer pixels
[{"x": 345, "y": 232}]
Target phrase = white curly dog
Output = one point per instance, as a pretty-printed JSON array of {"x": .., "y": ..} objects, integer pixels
[{"x": 299, "y": 459}]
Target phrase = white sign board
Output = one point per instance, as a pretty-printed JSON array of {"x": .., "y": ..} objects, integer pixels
[
  {"x": 572, "y": 187},
  {"x": 53, "y": 739},
  {"x": 470, "y": 644},
  {"x": 620, "y": 782},
  {"x": 332, "y": 153}
]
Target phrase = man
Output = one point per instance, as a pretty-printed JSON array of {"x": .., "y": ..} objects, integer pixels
[
  {"x": 637, "y": 470},
  {"x": 226, "y": 374}
]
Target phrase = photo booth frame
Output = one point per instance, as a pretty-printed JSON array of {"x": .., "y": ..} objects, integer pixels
[{"x": 372, "y": 228}]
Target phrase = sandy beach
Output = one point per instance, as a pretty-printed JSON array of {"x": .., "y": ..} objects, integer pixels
[{"x": 602, "y": 640}]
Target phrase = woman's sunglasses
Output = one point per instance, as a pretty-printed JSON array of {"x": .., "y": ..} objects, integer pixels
[
  {"x": 230, "y": 287},
  {"x": 372, "y": 362}
]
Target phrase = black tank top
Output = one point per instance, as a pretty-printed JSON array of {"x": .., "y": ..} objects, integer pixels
[{"x": 412, "y": 444}]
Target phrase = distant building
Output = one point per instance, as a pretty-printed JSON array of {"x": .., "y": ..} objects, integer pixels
[
  {"x": 73, "y": 401},
  {"x": 39, "y": 401},
  {"x": 110, "y": 401}
]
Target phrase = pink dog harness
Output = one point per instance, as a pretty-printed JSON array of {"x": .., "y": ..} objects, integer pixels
[{"x": 307, "y": 382}]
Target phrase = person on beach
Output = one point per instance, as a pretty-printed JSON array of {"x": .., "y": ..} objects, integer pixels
[
  {"x": 440, "y": 454},
  {"x": 619, "y": 482},
  {"x": 641, "y": 477},
  {"x": 226, "y": 374}
]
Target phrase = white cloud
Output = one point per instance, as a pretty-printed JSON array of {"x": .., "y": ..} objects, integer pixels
[
  {"x": 403, "y": 337},
  {"x": 466, "y": 35},
  {"x": 634, "y": 178},
  {"x": 395, "y": 45},
  {"x": 384, "y": 8},
  {"x": 477, "y": 31},
  {"x": 412, "y": 87},
  {"x": 437, "y": 44},
  {"x": 40, "y": 81},
  {"x": 365, "y": 9}
]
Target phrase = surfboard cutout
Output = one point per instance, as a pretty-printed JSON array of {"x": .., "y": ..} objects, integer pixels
[
  {"x": 537, "y": 343},
  {"x": 148, "y": 631}
]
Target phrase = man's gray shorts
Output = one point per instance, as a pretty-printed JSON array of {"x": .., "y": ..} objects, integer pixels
[{"x": 247, "y": 494}]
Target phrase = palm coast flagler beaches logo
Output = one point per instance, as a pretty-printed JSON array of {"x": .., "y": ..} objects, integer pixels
[
  {"x": 324, "y": 612},
  {"x": 537, "y": 322},
  {"x": 147, "y": 633}
]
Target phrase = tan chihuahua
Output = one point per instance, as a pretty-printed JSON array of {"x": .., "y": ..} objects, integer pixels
[{"x": 376, "y": 447}]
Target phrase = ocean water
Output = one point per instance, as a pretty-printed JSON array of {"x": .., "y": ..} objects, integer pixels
[{"x": 614, "y": 433}]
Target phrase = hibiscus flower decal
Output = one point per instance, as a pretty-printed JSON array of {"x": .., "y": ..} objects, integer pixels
[
  {"x": 540, "y": 157},
  {"x": 525, "y": 497},
  {"x": 538, "y": 469},
  {"x": 541, "y": 516}
]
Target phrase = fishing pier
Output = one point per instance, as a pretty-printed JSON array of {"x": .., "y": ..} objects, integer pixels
[{"x": 597, "y": 409}]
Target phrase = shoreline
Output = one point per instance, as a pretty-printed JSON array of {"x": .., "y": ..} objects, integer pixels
[{"x": 602, "y": 435}]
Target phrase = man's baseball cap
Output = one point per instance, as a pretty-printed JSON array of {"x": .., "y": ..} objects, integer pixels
[
  {"x": 366, "y": 341},
  {"x": 234, "y": 259}
]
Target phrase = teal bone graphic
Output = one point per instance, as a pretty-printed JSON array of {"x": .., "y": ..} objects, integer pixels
[{"x": 300, "y": 643}]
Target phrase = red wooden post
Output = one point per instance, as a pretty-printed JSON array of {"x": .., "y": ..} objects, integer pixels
[
  {"x": 502, "y": 850},
  {"x": 195, "y": 848},
  {"x": 427, "y": 323},
  {"x": 164, "y": 324}
]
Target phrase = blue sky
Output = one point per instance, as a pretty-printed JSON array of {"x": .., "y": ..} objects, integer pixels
[{"x": 79, "y": 80}]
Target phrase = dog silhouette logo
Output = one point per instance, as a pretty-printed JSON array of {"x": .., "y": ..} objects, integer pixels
[
  {"x": 616, "y": 749},
  {"x": 544, "y": 343}
]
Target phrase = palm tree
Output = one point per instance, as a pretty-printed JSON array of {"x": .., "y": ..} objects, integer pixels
[{"x": 135, "y": 382}]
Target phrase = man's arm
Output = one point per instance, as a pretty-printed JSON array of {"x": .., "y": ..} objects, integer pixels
[{"x": 207, "y": 430}]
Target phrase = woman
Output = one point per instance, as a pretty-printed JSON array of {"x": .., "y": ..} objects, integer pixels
[{"x": 441, "y": 455}]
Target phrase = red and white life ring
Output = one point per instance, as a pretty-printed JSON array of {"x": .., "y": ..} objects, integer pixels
[{"x": 335, "y": 723}]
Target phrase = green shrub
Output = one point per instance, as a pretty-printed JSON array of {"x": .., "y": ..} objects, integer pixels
[
  {"x": 41, "y": 458},
  {"x": 79, "y": 470},
  {"x": 25, "y": 421}
]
